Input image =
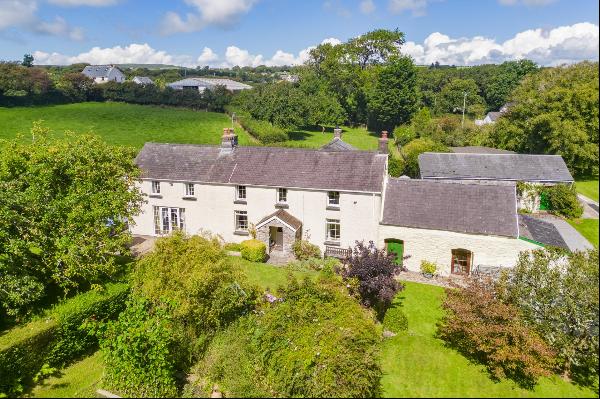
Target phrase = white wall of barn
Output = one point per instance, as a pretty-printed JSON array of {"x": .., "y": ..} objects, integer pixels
[
  {"x": 213, "y": 211},
  {"x": 437, "y": 245}
]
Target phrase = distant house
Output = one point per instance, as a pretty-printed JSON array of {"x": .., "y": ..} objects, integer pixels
[
  {"x": 492, "y": 117},
  {"x": 104, "y": 73},
  {"x": 142, "y": 80},
  {"x": 288, "y": 77},
  {"x": 493, "y": 168},
  {"x": 201, "y": 84}
]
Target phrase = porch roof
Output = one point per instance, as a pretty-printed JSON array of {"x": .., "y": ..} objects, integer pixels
[{"x": 283, "y": 217}]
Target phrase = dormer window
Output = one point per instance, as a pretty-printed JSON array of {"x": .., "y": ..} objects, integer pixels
[
  {"x": 333, "y": 199},
  {"x": 155, "y": 187},
  {"x": 282, "y": 195}
]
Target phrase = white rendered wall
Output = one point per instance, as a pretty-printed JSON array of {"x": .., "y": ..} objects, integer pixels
[
  {"x": 436, "y": 246},
  {"x": 213, "y": 211}
]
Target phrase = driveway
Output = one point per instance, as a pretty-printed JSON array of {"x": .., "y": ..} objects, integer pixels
[{"x": 574, "y": 240}]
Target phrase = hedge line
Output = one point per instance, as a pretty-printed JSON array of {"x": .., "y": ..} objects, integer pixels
[
  {"x": 262, "y": 130},
  {"x": 57, "y": 338}
]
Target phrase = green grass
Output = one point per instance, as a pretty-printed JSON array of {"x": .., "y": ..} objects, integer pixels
[
  {"x": 587, "y": 228},
  {"x": 416, "y": 364},
  {"x": 268, "y": 276},
  {"x": 358, "y": 137},
  {"x": 122, "y": 124},
  {"x": 589, "y": 188},
  {"x": 79, "y": 380}
]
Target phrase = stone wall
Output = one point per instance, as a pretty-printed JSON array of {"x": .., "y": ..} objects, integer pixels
[{"x": 289, "y": 236}]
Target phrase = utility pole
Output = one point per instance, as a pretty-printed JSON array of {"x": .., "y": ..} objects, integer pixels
[{"x": 464, "y": 106}]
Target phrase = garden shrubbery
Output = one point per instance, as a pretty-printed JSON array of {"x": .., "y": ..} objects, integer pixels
[
  {"x": 304, "y": 250},
  {"x": 262, "y": 130},
  {"x": 313, "y": 341},
  {"x": 254, "y": 250},
  {"x": 56, "y": 338}
]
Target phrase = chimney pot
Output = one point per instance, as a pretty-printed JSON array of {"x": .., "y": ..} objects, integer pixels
[
  {"x": 337, "y": 133},
  {"x": 383, "y": 143}
]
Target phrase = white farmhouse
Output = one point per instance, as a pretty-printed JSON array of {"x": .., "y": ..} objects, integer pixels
[
  {"x": 332, "y": 197},
  {"x": 201, "y": 84},
  {"x": 104, "y": 73},
  {"x": 142, "y": 80}
]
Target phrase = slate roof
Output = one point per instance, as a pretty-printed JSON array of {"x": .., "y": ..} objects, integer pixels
[
  {"x": 541, "y": 231},
  {"x": 265, "y": 166},
  {"x": 98, "y": 71},
  {"x": 513, "y": 167},
  {"x": 479, "y": 150},
  {"x": 494, "y": 115},
  {"x": 337, "y": 144},
  {"x": 458, "y": 207},
  {"x": 284, "y": 217},
  {"x": 143, "y": 80}
]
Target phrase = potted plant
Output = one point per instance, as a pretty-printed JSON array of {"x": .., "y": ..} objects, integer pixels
[{"x": 428, "y": 269}]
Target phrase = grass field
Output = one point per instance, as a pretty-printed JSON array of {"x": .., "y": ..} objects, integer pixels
[
  {"x": 314, "y": 138},
  {"x": 589, "y": 188},
  {"x": 416, "y": 364},
  {"x": 587, "y": 228},
  {"x": 122, "y": 124},
  {"x": 79, "y": 380}
]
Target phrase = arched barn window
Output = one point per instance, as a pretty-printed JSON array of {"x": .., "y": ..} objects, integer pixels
[{"x": 462, "y": 259}]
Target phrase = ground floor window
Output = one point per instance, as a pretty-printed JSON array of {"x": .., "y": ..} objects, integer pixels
[
  {"x": 167, "y": 220},
  {"x": 461, "y": 261},
  {"x": 332, "y": 227},
  {"x": 241, "y": 220}
]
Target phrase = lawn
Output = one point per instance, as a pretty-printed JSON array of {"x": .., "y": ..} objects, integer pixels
[
  {"x": 123, "y": 124},
  {"x": 589, "y": 188},
  {"x": 416, "y": 364},
  {"x": 587, "y": 228},
  {"x": 79, "y": 380},
  {"x": 358, "y": 137},
  {"x": 268, "y": 276}
]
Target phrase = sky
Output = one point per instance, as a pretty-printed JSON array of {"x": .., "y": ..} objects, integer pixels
[{"x": 225, "y": 33}]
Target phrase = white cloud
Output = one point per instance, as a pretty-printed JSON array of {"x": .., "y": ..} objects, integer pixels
[
  {"x": 208, "y": 12},
  {"x": 207, "y": 57},
  {"x": 417, "y": 7},
  {"x": 22, "y": 14},
  {"x": 565, "y": 44},
  {"x": 91, "y": 3},
  {"x": 367, "y": 6}
]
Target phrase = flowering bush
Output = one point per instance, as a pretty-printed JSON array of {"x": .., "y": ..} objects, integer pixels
[{"x": 428, "y": 267}]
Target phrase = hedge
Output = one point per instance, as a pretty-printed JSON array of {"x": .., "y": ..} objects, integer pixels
[
  {"x": 254, "y": 250},
  {"x": 262, "y": 130},
  {"x": 56, "y": 338}
]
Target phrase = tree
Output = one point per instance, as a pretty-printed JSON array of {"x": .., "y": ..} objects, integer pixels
[
  {"x": 411, "y": 151},
  {"x": 557, "y": 294},
  {"x": 27, "y": 60},
  {"x": 555, "y": 112},
  {"x": 64, "y": 209},
  {"x": 452, "y": 97},
  {"x": 375, "y": 47},
  {"x": 371, "y": 273},
  {"x": 394, "y": 97}
]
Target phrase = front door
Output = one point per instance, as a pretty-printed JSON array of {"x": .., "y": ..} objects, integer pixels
[
  {"x": 461, "y": 261},
  {"x": 396, "y": 247},
  {"x": 276, "y": 238}
]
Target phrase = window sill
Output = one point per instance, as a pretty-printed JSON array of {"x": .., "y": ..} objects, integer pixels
[
  {"x": 189, "y": 198},
  {"x": 243, "y": 202},
  {"x": 241, "y": 233},
  {"x": 332, "y": 243},
  {"x": 333, "y": 208},
  {"x": 282, "y": 205},
  {"x": 155, "y": 195}
]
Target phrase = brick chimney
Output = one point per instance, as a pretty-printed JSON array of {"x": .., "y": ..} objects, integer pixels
[
  {"x": 337, "y": 133},
  {"x": 228, "y": 141},
  {"x": 383, "y": 143}
]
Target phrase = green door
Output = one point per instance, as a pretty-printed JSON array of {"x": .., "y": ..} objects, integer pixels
[{"x": 396, "y": 247}]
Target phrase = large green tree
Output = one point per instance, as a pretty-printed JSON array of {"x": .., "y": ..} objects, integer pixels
[
  {"x": 64, "y": 209},
  {"x": 555, "y": 112},
  {"x": 394, "y": 97},
  {"x": 452, "y": 98}
]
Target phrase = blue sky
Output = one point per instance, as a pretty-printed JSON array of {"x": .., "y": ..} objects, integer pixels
[{"x": 251, "y": 32}]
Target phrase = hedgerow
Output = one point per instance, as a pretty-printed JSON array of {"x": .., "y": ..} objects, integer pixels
[{"x": 57, "y": 338}]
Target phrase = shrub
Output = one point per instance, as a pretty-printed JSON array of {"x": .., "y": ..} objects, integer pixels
[
  {"x": 428, "y": 267},
  {"x": 487, "y": 330},
  {"x": 57, "y": 338},
  {"x": 304, "y": 250},
  {"x": 140, "y": 351},
  {"x": 194, "y": 274},
  {"x": 396, "y": 166},
  {"x": 262, "y": 130},
  {"x": 318, "y": 264},
  {"x": 411, "y": 151},
  {"x": 233, "y": 246},
  {"x": 314, "y": 342},
  {"x": 557, "y": 294},
  {"x": 375, "y": 271},
  {"x": 254, "y": 250},
  {"x": 395, "y": 320},
  {"x": 562, "y": 199},
  {"x": 404, "y": 134}
]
